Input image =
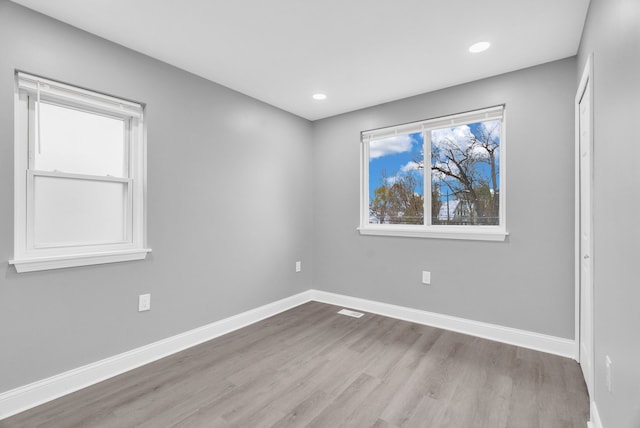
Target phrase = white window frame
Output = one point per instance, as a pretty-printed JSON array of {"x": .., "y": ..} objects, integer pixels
[
  {"x": 469, "y": 232},
  {"x": 30, "y": 256}
]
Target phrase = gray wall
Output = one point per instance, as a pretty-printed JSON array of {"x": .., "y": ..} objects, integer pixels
[
  {"x": 612, "y": 34},
  {"x": 526, "y": 282},
  {"x": 228, "y": 197}
]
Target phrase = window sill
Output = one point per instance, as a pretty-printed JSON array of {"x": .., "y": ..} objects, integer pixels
[
  {"x": 74, "y": 260},
  {"x": 476, "y": 233}
]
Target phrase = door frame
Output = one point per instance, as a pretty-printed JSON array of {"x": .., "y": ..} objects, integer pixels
[{"x": 586, "y": 84}]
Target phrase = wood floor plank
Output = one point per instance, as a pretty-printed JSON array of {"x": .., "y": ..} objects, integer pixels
[
  {"x": 474, "y": 387},
  {"x": 306, "y": 410},
  {"x": 398, "y": 375},
  {"x": 427, "y": 377},
  {"x": 311, "y": 366},
  {"x": 336, "y": 414}
]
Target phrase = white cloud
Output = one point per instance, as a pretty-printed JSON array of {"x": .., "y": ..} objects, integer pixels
[
  {"x": 389, "y": 146},
  {"x": 410, "y": 166},
  {"x": 440, "y": 176},
  {"x": 392, "y": 180},
  {"x": 478, "y": 151},
  {"x": 459, "y": 136},
  {"x": 492, "y": 128}
]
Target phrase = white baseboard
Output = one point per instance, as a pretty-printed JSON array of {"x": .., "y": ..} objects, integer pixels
[
  {"x": 39, "y": 392},
  {"x": 594, "y": 421},
  {"x": 512, "y": 336}
]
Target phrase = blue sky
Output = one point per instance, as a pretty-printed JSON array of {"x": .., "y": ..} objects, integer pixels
[{"x": 394, "y": 156}]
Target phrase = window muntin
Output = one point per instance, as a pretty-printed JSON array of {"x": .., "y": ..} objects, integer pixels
[
  {"x": 79, "y": 180},
  {"x": 460, "y": 195}
]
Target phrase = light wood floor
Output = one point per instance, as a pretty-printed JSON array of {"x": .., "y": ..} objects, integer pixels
[{"x": 310, "y": 366}]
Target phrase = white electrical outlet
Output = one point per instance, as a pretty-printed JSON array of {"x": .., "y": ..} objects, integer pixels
[
  {"x": 144, "y": 302},
  {"x": 607, "y": 364},
  {"x": 298, "y": 266},
  {"x": 426, "y": 277}
]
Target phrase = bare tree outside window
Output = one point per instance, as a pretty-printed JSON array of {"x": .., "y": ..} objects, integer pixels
[{"x": 465, "y": 168}]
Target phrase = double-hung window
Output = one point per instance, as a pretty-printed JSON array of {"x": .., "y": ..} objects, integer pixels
[
  {"x": 79, "y": 177},
  {"x": 436, "y": 178}
]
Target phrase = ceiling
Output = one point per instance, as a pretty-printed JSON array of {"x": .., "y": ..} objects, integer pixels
[{"x": 358, "y": 52}]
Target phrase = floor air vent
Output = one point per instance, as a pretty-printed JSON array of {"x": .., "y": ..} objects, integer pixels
[{"x": 350, "y": 313}]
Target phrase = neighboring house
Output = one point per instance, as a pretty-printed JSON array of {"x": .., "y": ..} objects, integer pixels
[
  {"x": 448, "y": 210},
  {"x": 455, "y": 210}
]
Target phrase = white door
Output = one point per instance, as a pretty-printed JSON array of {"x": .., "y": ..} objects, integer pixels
[{"x": 585, "y": 253}]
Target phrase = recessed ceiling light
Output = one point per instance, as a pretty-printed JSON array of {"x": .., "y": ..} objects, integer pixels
[
  {"x": 479, "y": 47},
  {"x": 319, "y": 96}
]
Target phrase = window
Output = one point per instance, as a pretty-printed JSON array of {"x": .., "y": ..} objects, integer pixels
[
  {"x": 438, "y": 178},
  {"x": 79, "y": 177}
]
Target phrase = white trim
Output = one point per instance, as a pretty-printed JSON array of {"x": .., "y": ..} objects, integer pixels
[
  {"x": 481, "y": 115},
  {"x": 53, "y": 90},
  {"x": 427, "y": 181},
  {"x": 475, "y": 233},
  {"x": 364, "y": 185},
  {"x": 21, "y": 158},
  {"x": 42, "y": 391},
  {"x": 39, "y": 392},
  {"x": 595, "y": 421},
  {"x": 74, "y": 260},
  {"x": 576, "y": 225},
  {"x": 526, "y": 339},
  {"x": 586, "y": 84},
  {"x": 503, "y": 173},
  {"x": 58, "y": 174}
]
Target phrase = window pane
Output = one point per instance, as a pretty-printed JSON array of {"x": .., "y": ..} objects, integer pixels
[
  {"x": 465, "y": 174},
  {"x": 80, "y": 142},
  {"x": 396, "y": 180},
  {"x": 78, "y": 211}
]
